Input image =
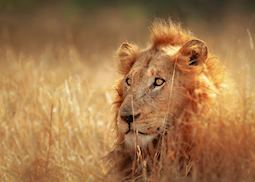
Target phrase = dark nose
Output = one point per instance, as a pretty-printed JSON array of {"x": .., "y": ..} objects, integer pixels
[{"x": 130, "y": 118}]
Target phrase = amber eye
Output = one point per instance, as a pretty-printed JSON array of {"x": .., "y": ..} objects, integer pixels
[
  {"x": 128, "y": 81},
  {"x": 158, "y": 82}
]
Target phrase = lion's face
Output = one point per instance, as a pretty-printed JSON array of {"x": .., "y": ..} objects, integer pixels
[
  {"x": 154, "y": 88},
  {"x": 145, "y": 109}
]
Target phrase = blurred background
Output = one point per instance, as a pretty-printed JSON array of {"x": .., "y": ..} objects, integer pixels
[{"x": 97, "y": 27}]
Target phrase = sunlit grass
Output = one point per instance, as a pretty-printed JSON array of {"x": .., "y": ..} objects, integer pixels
[{"x": 55, "y": 121}]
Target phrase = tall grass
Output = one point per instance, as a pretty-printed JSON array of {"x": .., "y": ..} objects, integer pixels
[
  {"x": 55, "y": 120},
  {"x": 56, "y": 117}
]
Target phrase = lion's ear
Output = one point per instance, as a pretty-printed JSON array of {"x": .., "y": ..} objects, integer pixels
[
  {"x": 127, "y": 54},
  {"x": 193, "y": 53}
]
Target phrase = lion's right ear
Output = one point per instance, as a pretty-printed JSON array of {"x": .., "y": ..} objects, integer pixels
[{"x": 127, "y": 54}]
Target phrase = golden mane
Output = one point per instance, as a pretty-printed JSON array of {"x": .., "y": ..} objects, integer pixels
[
  {"x": 164, "y": 33},
  {"x": 168, "y": 32}
]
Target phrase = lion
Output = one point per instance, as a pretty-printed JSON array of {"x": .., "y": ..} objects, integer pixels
[{"x": 163, "y": 90}]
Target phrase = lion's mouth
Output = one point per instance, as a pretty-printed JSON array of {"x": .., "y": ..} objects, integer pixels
[{"x": 133, "y": 131}]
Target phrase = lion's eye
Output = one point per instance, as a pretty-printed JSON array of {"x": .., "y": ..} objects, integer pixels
[
  {"x": 158, "y": 82},
  {"x": 128, "y": 81}
]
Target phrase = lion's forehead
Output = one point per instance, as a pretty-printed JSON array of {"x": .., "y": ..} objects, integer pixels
[{"x": 152, "y": 64}]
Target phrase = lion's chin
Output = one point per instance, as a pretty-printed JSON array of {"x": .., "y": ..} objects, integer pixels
[{"x": 133, "y": 139}]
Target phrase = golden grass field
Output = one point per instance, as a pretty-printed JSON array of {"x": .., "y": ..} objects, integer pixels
[{"x": 57, "y": 89}]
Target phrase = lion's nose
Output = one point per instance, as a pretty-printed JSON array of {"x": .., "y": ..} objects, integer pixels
[{"x": 130, "y": 118}]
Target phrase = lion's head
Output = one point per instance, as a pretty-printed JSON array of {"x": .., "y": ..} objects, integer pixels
[{"x": 162, "y": 84}]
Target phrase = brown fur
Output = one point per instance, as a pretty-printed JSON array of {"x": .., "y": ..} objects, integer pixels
[
  {"x": 163, "y": 33},
  {"x": 200, "y": 87}
]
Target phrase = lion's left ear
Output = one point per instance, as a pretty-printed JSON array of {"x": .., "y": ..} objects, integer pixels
[
  {"x": 193, "y": 53},
  {"x": 127, "y": 54}
]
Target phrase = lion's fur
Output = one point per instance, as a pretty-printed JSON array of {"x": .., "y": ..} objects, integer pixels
[
  {"x": 203, "y": 89},
  {"x": 164, "y": 33}
]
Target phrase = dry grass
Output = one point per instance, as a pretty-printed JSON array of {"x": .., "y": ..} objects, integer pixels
[
  {"x": 55, "y": 116},
  {"x": 55, "y": 119}
]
